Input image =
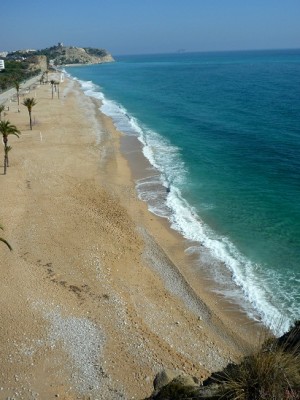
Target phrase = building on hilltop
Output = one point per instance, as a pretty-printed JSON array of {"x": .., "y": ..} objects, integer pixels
[{"x": 2, "y": 65}]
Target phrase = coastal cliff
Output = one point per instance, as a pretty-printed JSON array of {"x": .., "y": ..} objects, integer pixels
[{"x": 62, "y": 55}]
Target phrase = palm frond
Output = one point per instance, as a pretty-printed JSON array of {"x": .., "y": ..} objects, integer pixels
[
  {"x": 29, "y": 102},
  {"x": 6, "y": 242},
  {"x": 7, "y": 149},
  {"x": 6, "y": 128}
]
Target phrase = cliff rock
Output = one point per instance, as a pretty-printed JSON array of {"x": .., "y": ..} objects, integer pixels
[{"x": 78, "y": 55}]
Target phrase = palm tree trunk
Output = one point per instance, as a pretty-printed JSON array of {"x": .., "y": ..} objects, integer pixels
[
  {"x": 5, "y": 164},
  {"x": 30, "y": 120}
]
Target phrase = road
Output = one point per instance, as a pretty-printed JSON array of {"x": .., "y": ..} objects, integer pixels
[{"x": 9, "y": 94}]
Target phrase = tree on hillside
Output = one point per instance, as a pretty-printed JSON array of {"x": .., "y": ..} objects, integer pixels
[
  {"x": 4, "y": 241},
  {"x": 2, "y": 108},
  {"x": 17, "y": 86},
  {"x": 6, "y": 129},
  {"x": 16, "y": 71},
  {"x": 44, "y": 78},
  {"x": 29, "y": 103}
]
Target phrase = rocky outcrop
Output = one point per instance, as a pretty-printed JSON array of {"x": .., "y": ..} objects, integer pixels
[
  {"x": 290, "y": 341},
  {"x": 79, "y": 55},
  {"x": 64, "y": 55},
  {"x": 174, "y": 384},
  {"x": 38, "y": 62},
  {"x": 272, "y": 372}
]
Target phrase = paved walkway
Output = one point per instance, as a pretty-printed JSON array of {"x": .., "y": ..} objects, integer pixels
[{"x": 9, "y": 94}]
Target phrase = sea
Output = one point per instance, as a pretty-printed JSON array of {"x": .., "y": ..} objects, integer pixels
[{"x": 222, "y": 133}]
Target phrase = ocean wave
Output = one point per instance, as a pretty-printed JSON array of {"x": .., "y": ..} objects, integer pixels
[{"x": 162, "y": 192}]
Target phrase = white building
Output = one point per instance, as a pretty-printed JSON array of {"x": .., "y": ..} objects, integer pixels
[{"x": 2, "y": 65}]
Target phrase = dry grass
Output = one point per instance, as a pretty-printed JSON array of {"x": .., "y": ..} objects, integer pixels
[{"x": 272, "y": 373}]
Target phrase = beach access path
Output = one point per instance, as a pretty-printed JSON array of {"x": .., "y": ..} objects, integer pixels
[{"x": 94, "y": 300}]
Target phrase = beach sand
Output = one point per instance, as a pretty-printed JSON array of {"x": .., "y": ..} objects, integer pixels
[{"x": 97, "y": 295}]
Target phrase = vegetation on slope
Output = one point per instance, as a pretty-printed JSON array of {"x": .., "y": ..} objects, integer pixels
[
  {"x": 269, "y": 373},
  {"x": 16, "y": 71},
  {"x": 61, "y": 55}
]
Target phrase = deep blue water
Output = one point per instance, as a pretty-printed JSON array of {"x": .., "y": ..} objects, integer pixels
[{"x": 223, "y": 131}]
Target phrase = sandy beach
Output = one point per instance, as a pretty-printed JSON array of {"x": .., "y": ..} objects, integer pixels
[{"x": 97, "y": 295}]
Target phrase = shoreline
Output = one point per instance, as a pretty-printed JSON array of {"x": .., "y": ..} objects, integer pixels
[
  {"x": 164, "y": 201},
  {"x": 140, "y": 168},
  {"x": 97, "y": 296},
  {"x": 227, "y": 312}
]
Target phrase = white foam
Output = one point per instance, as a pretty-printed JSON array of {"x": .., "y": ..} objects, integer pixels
[
  {"x": 91, "y": 90},
  {"x": 151, "y": 190},
  {"x": 256, "y": 283}
]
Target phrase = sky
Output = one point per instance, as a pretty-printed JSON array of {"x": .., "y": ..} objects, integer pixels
[{"x": 151, "y": 26}]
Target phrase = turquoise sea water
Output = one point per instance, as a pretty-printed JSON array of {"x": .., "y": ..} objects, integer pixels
[{"x": 223, "y": 133}]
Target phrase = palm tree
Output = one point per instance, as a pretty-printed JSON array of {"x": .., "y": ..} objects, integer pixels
[
  {"x": 57, "y": 86},
  {"x": 17, "y": 86},
  {"x": 4, "y": 241},
  {"x": 2, "y": 108},
  {"x": 52, "y": 85},
  {"x": 6, "y": 128},
  {"x": 29, "y": 103},
  {"x": 6, "y": 161}
]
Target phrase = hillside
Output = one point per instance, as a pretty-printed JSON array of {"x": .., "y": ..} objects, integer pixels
[
  {"x": 62, "y": 55},
  {"x": 20, "y": 70}
]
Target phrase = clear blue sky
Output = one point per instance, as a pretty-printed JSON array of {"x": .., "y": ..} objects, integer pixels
[{"x": 151, "y": 26}]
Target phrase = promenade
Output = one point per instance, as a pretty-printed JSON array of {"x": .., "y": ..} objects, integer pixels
[{"x": 11, "y": 94}]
